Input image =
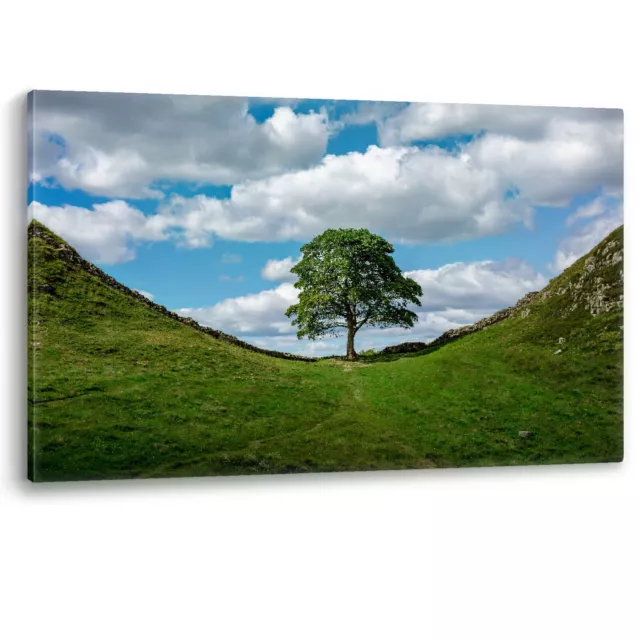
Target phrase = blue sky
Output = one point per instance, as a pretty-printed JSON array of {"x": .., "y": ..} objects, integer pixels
[{"x": 189, "y": 198}]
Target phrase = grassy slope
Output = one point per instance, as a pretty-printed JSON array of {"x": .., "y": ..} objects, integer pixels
[{"x": 118, "y": 390}]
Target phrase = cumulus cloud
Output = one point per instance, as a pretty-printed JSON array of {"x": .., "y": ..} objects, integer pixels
[
  {"x": 280, "y": 270},
  {"x": 146, "y": 294},
  {"x": 107, "y": 233},
  {"x": 432, "y": 121},
  {"x": 476, "y": 285},
  {"x": 602, "y": 220},
  {"x": 254, "y": 314},
  {"x": 120, "y": 145},
  {"x": 525, "y": 157},
  {"x": 127, "y": 144},
  {"x": 548, "y": 154},
  {"x": 574, "y": 158},
  {"x": 454, "y": 295},
  {"x": 409, "y": 195}
]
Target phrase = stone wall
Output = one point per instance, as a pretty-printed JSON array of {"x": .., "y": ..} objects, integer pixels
[{"x": 405, "y": 347}]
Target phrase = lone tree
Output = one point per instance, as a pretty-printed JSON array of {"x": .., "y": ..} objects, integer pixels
[{"x": 347, "y": 279}]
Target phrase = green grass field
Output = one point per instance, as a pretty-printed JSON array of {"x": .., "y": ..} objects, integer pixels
[{"x": 118, "y": 390}]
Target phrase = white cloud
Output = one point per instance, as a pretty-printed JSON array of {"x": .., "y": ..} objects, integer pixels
[
  {"x": 122, "y": 144},
  {"x": 549, "y": 154},
  {"x": 280, "y": 270},
  {"x": 584, "y": 238},
  {"x": 476, "y": 285},
  {"x": 528, "y": 157},
  {"x": 146, "y": 294},
  {"x": 254, "y": 314},
  {"x": 107, "y": 233},
  {"x": 575, "y": 158},
  {"x": 432, "y": 121},
  {"x": 454, "y": 295},
  {"x": 119, "y": 145},
  {"x": 408, "y": 194}
]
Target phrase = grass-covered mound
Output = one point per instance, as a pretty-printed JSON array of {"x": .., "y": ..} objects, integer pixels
[{"x": 119, "y": 389}]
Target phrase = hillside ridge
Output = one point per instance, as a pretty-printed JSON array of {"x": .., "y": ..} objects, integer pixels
[
  {"x": 592, "y": 284},
  {"x": 117, "y": 390},
  {"x": 38, "y": 230}
]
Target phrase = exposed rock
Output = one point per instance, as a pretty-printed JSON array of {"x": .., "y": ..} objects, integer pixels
[
  {"x": 561, "y": 340},
  {"x": 594, "y": 288},
  {"x": 525, "y": 434},
  {"x": 555, "y": 353}
]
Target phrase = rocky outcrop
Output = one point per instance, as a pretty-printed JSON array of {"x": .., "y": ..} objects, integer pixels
[
  {"x": 70, "y": 255},
  {"x": 596, "y": 287},
  {"x": 593, "y": 284}
]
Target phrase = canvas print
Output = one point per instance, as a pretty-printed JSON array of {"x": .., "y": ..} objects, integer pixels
[{"x": 225, "y": 285}]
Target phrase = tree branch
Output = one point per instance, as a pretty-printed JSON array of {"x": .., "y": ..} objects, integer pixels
[{"x": 366, "y": 317}]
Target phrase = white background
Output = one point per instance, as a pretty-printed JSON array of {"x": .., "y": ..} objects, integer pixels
[{"x": 549, "y": 552}]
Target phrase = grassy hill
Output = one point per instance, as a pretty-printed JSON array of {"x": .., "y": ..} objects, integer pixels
[{"x": 120, "y": 388}]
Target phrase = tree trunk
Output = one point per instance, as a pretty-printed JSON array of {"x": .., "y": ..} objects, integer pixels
[{"x": 351, "y": 334}]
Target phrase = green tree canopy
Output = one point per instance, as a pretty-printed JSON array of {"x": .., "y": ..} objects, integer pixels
[{"x": 347, "y": 279}]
